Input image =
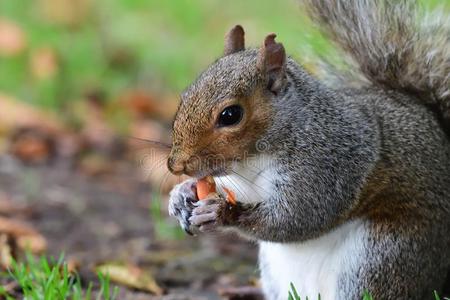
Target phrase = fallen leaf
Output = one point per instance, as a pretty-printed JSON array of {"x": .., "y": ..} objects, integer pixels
[
  {"x": 131, "y": 276},
  {"x": 12, "y": 38},
  {"x": 73, "y": 265},
  {"x": 32, "y": 145},
  {"x": 6, "y": 251},
  {"x": 44, "y": 63},
  {"x": 25, "y": 236},
  {"x": 139, "y": 103},
  {"x": 65, "y": 12},
  {"x": 15, "y": 113}
]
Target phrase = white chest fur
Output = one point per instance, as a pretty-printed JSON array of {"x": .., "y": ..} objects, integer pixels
[
  {"x": 313, "y": 266},
  {"x": 251, "y": 179}
]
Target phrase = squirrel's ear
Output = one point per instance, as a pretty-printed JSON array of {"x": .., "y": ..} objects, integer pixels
[
  {"x": 234, "y": 40},
  {"x": 272, "y": 62}
]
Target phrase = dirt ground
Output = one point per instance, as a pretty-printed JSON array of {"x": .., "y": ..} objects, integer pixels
[{"x": 107, "y": 219}]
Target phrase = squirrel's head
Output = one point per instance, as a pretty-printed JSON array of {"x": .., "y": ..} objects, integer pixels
[{"x": 228, "y": 108}]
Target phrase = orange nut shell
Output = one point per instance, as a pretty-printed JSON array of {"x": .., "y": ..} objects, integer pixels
[{"x": 205, "y": 186}]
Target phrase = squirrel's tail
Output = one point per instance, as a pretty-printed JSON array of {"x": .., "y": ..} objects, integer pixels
[{"x": 393, "y": 45}]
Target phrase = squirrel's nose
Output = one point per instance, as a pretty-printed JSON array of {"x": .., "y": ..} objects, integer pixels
[{"x": 176, "y": 167}]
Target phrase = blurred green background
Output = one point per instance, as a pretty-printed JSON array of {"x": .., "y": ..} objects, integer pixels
[
  {"x": 65, "y": 49},
  {"x": 86, "y": 86}
]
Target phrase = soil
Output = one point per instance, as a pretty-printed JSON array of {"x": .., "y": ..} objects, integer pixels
[{"x": 97, "y": 219}]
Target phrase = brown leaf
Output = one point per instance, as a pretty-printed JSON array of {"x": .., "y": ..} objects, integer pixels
[
  {"x": 139, "y": 103},
  {"x": 12, "y": 38},
  {"x": 6, "y": 251},
  {"x": 142, "y": 104},
  {"x": 32, "y": 145},
  {"x": 131, "y": 276},
  {"x": 44, "y": 63},
  {"x": 14, "y": 114},
  {"x": 35, "y": 243},
  {"x": 66, "y": 12},
  {"x": 73, "y": 265},
  {"x": 26, "y": 237}
]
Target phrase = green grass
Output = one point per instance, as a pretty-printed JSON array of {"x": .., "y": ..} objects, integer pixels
[
  {"x": 163, "y": 229},
  {"x": 151, "y": 44},
  {"x": 49, "y": 279}
]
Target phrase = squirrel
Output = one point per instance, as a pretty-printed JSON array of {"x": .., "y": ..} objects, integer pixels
[{"x": 345, "y": 187}]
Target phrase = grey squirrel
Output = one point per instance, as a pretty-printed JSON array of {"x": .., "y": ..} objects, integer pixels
[{"x": 346, "y": 188}]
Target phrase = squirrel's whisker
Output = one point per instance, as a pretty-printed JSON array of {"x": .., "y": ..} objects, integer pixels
[
  {"x": 152, "y": 142},
  {"x": 251, "y": 183},
  {"x": 157, "y": 164},
  {"x": 237, "y": 187},
  {"x": 164, "y": 179},
  {"x": 258, "y": 172}
]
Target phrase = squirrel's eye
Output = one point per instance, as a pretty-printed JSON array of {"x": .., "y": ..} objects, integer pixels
[{"x": 231, "y": 115}]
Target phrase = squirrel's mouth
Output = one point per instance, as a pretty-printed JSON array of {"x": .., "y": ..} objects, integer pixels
[
  {"x": 209, "y": 166},
  {"x": 222, "y": 171}
]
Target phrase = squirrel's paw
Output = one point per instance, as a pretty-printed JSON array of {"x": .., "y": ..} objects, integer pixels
[
  {"x": 182, "y": 202},
  {"x": 207, "y": 214}
]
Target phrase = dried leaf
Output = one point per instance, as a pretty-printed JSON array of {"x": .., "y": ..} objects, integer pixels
[
  {"x": 139, "y": 103},
  {"x": 73, "y": 265},
  {"x": 25, "y": 236},
  {"x": 66, "y": 12},
  {"x": 44, "y": 63},
  {"x": 131, "y": 276},
  {"x": 32, "y": 145},
  {"x": 12, "y": 38},
  {"x": 6, "y": 251},
  {"x": 14, "y": 114},
  {"x": 36, "y": 243}
]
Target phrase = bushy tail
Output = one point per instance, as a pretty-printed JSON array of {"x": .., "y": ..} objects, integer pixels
[{"x": 393, "y": 45}]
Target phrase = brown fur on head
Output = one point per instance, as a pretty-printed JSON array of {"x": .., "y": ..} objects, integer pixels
[{"x": 248, "y": 78}]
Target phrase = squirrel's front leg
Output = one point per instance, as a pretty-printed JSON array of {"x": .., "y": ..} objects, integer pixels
[
  {"x": 215, "y": 212},
  {"x": 200, "y": 216},
  {"x": 182, "y": 202}
]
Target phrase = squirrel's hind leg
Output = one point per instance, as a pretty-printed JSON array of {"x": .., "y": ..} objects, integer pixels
[{"x": 398, "y": 263}]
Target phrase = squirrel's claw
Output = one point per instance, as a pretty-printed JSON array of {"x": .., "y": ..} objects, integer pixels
[
  {"x": 201, "y": 219},
  {"x": 181, "y": 204},
  {"x": 206, "y": 214}
]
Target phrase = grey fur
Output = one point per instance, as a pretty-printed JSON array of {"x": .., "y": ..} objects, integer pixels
[
  {"x": 393, "y": 44},
  {"x": 377, "y": 153}
]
